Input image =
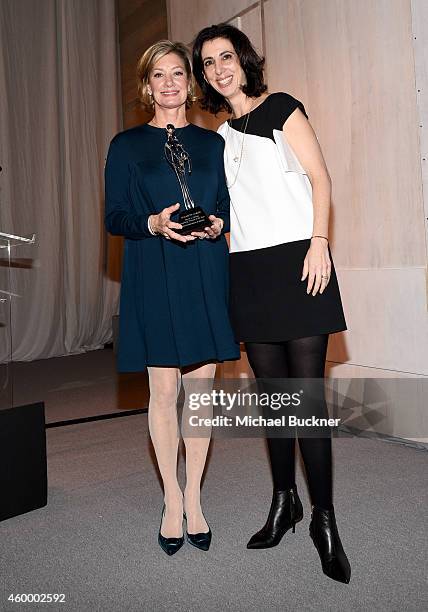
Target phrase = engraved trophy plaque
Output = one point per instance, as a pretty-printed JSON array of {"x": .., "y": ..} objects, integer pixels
[{"x": 193, "y": 218}]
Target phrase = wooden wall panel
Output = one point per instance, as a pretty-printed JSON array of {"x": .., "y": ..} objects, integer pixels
[
  {"x": 141, "y": 23},
  {"x": 391, "y": 405},
  {"x": 420, "y": 48},
  {"x": 385, "y": 402},
  {"x": 387, "y": 320},
  {"x": 187, "y": 17},
  {"x": 352, "y": 65},
  {"x": 250, "y": 23}
]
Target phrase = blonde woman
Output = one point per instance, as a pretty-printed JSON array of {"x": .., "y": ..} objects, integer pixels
[{"x": 173, "y": 310}]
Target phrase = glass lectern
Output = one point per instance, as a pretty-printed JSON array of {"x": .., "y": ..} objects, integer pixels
[
  {"x": 23, "y": 466},
  {"x": 9, "y": 245}
]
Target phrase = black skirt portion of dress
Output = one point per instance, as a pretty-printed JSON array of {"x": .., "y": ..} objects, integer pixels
[{"x": 269, "y": 302}]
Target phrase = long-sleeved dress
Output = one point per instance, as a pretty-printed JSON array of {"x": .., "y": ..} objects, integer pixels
[{"x": 174, "y": 296}]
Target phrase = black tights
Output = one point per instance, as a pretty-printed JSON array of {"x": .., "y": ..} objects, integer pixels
[{"x": 300, "y": 358}]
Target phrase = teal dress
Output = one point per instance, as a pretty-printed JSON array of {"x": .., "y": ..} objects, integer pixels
[{"x": 174, "y": 296}]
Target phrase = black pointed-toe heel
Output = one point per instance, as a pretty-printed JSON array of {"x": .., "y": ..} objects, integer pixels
[
  {"x": 325, "y": 536},
  {"x": 285, "y": 511},
  {"x": 169, "y": 545},
  {"x": 199, "y": 540}
]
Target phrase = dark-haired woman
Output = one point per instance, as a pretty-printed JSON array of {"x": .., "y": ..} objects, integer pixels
[{"x": 285, "y": 298}]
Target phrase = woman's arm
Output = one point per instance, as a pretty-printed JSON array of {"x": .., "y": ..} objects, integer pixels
[
  {"x": 302, "y": 139},
  {"x": 120, "y": 220}
]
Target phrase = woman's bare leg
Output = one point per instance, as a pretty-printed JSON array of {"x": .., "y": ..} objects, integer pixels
[
  {"x": 164, "y": 433},
  {"x": 198, "y": 380}
]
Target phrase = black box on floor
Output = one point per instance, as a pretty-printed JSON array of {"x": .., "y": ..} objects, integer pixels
[{"x": 23, "y": 465}]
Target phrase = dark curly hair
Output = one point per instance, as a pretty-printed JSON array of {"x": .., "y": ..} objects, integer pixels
[{"x": 251, "y": 63}]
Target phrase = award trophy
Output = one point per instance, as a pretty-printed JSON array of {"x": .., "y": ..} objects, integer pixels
[{"x": 193, "y": 218}]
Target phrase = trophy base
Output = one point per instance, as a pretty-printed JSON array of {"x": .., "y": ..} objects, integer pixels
[{"x": 192, "y": 220}]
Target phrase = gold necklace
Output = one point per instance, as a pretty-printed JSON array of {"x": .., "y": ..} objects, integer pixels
[{"x": 237, "y": 159}]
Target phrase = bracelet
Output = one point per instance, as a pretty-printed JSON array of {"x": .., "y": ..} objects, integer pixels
[
  {"x": 325, "y": 237},
  {"x": 149, "y": 225}
]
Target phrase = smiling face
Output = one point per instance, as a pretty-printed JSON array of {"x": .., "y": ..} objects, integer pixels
[
  {"x": 222, "y": 68},
  {"x": 168, "y": 82}
]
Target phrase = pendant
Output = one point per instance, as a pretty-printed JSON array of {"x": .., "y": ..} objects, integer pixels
[{"x": 236, "y": 159}]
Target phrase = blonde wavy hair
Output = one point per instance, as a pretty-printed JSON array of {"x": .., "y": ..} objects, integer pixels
[{"x": 148, "y": 60}]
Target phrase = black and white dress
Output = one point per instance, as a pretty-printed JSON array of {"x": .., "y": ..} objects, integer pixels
[{"x": 271, "y": 217}]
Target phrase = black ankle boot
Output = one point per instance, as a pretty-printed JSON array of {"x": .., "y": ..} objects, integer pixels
[
  {"x": 285, "y": 511},
  {"x": 323, "y": 531}
]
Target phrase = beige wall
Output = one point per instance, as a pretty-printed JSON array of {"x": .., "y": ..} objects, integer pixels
[{"x": 354, "y": 65}]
